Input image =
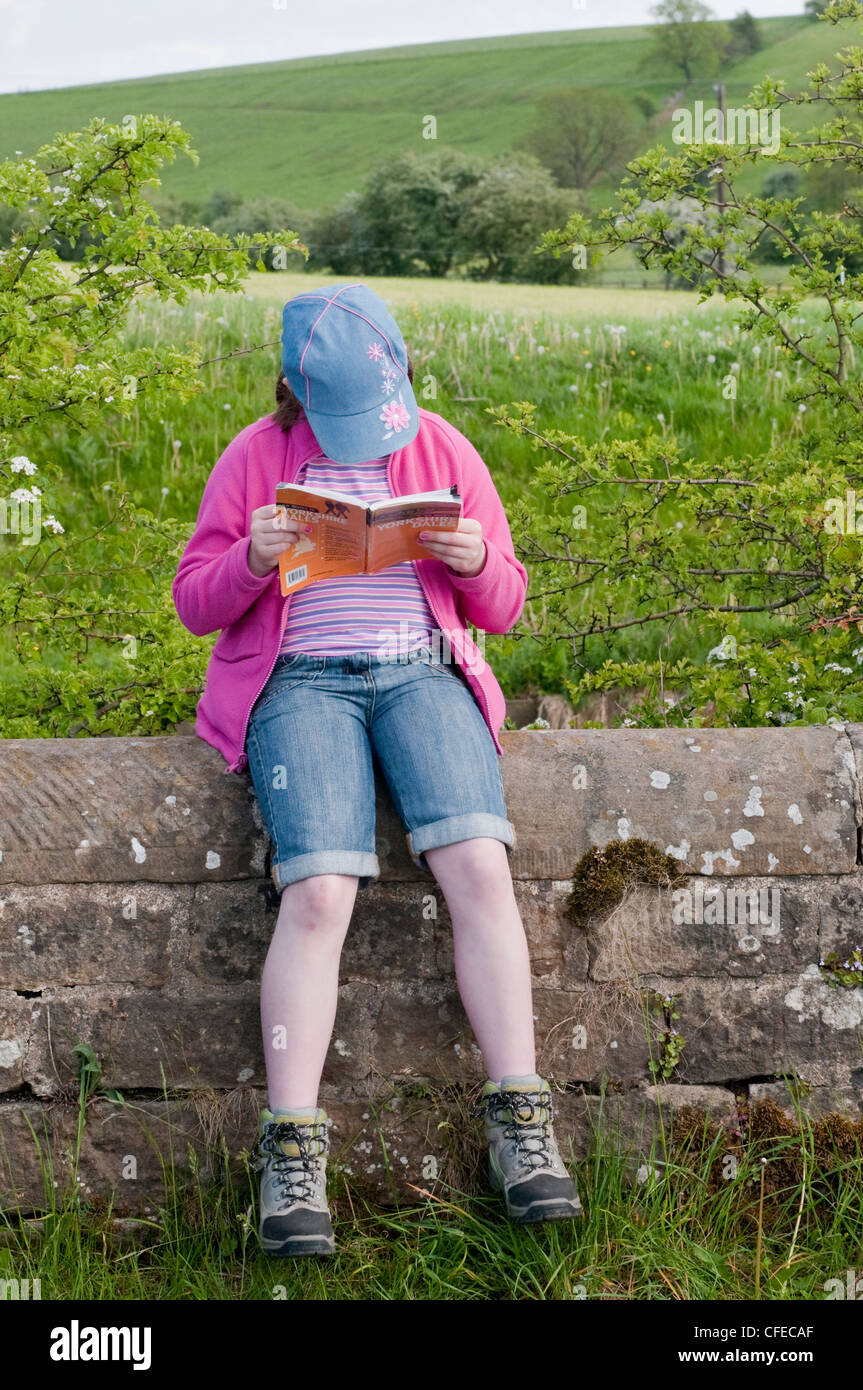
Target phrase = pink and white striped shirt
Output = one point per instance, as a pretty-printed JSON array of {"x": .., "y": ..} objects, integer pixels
[{"x": 385, "y": 612}]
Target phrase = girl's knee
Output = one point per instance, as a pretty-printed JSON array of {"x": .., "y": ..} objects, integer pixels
[
  {"x": 324, "y": 901},
  {"x": 480, "y": 866}
]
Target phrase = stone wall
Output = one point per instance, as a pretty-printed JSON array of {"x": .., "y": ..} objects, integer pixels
[{"x": 135, "y": 913}]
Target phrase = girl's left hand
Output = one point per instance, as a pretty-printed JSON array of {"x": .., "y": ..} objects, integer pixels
[{"x": 463, "y": 550}]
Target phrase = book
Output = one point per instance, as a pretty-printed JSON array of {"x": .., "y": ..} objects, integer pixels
[{"x": 349, "y": 536}]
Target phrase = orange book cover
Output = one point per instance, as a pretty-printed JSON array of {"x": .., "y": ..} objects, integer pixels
[{"x": 353, "y": 537}]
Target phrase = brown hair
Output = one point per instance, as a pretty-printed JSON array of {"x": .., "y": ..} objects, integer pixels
[{"x": 287, "y": 410}]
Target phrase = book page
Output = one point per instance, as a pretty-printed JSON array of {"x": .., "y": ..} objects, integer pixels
[
  {"x": 396, "y": 524},
  {"x": 335, "y": 545}
]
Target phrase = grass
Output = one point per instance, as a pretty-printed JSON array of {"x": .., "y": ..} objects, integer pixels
[
  {"x": 308, "y": 130},
  {"x": 594, "y": 361},
  {"x": 777, "y": 1226},
  {"x": 565, "y": 302}
]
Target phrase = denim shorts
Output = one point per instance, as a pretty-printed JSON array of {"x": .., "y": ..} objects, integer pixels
[{"x": 315, "y": 733}]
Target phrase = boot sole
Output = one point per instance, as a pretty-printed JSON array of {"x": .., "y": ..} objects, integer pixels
[
  {"x": 299, "y": 1245},
  {"x": 547, "y": 1210},
  {"x": 552, "y": 1211}
]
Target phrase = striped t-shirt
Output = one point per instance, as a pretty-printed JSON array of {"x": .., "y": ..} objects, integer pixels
[{"x": 386, "y": 613}]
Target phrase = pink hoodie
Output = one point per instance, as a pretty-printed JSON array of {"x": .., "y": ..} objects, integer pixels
[{"x": 215, "y": 589}]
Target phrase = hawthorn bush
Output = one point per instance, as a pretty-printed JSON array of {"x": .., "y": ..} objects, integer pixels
[
  {"x": 91, "y": 640},
  {"x": 740, "y": 581}
]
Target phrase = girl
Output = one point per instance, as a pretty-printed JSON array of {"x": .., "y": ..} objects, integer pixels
[{"x": 304, "y": 691}]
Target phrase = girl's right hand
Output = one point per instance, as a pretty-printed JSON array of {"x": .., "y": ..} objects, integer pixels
[{"x": 271, "y": 533}]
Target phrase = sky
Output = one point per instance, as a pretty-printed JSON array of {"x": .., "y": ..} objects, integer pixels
[{"x": 55, "y": 43}]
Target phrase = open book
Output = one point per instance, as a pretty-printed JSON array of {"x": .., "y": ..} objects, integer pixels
[{"x": 349, "y": 536}]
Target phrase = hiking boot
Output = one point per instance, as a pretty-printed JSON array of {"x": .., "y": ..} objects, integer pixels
[
  {"x": 291, "y": 1155},
  {"x": 523, "y": 1158}
]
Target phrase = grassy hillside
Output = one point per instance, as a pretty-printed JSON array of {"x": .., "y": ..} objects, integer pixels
[{"x": 307, "y": 130}]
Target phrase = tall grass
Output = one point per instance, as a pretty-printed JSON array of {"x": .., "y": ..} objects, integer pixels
[{"x": 668, "y": 1228}]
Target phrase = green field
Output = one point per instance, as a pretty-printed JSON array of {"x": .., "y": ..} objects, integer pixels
[{"x": 308, "y": 130}]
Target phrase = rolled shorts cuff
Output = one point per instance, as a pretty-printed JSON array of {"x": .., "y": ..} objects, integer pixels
[
  {"x": 478, "y": 825},
  {"x": 326, "y": 861}
]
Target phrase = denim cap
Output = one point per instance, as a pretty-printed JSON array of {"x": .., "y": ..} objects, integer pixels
[{"x": 345, "y": 360}]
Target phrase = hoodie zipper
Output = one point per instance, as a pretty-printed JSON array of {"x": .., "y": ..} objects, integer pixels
[
  {"x": 240, "y": 762},
  {"x": 471, "y": 679},
  {"x": 473, "y": 683},
  {"x": 243, "y": 758}
]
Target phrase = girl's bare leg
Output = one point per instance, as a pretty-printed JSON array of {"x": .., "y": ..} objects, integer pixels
[
  {"x": 300, "y": 986},
  {"x": 492, "y": 961}
]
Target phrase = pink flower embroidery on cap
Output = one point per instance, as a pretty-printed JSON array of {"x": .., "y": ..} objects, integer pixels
[
  {"x": 396, "y": 416},
  {"x": 376, "y": 352}
]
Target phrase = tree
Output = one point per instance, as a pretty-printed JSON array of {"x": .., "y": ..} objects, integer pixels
[
  {"x": 686, "y": 37},
  {"x": 427, "y": 214},
  {"x": 815, "y": 8},
  {"x": 503, "y": 214},
  {"x": 338, "y": 237},
  {"x": 583, "y": 134},
  {"x": 745, "y": 36},
  {"x": 408, "y": 212},
  {"x": 65, "y": 356},
  {"x": 260, "y": 215}
]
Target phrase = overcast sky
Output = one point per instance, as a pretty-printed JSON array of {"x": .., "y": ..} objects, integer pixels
[{"x": 62, "y": 43}]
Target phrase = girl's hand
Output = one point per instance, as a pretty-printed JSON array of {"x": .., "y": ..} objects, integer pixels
[
  {"x": 271, "y": 533},
  {"x": 463, "y": 550}
]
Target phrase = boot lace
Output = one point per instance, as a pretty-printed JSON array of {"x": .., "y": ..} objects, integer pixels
[
  {"x": 295, "y": 1174},
  {"x": 530, "y": 1134}
]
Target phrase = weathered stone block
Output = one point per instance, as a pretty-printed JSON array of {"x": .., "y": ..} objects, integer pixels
[
  {"x": 15, "y": 1029},
  {"x": 28, "y": 1133},
  {"x": 83, "y": 934},
  {"x": 393, "y": 934},
  {"x": 641, "y": 1117},
  {"x": 124, "y": 1151},
  {"x": 108, "y": 810},
  {"x": 402, "y": 1140},
  {"x": 227, "y": 938},
  {"x": 421, "y": 1030},
  {"x": 736, "y": 1029},
  {"x": 589, "y": 1033},
  {"x": 146, "y": 1039},
  {"x": 755, "y": 927},
  {"x": 126, "y": 809},
  {"x": 839, "y": 1095},
  {"x": 719, "y": 799}
]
